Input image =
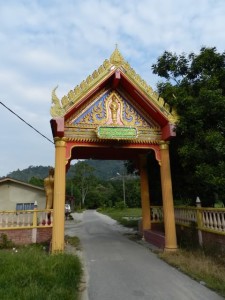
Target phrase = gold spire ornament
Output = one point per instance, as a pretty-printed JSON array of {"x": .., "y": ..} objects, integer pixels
[{"x": 116, "y": 58}]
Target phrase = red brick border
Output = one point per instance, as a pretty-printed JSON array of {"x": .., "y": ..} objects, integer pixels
[{"x": 24, "y": 236}]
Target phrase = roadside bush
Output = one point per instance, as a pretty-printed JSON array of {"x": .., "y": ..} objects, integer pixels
[
  {"x": 120, "y": 205},
  {"x": 5, "y": 243}
]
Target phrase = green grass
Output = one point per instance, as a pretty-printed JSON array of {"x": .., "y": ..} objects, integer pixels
[
  {"x": 73, "y": 241},
  {"x": 32, "y": 274},
  {"x": 126, "y": 216}
]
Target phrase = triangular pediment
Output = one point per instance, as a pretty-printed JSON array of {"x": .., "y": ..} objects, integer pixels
[
  {"x": 113, "y": 103},
  {"x": 102, "y": 77},
  {"x": 110, "y": 108},
  {"x": 110, "y": 115}
]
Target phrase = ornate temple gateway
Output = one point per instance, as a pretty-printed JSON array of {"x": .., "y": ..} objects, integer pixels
[{"x": 113, "y": 114}]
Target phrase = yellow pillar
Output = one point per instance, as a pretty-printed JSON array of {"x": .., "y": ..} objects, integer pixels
[
  {"x": 145, "y": 198},
  {"x": 167, "y": 195},
  {"x": 59, "y": 196}
]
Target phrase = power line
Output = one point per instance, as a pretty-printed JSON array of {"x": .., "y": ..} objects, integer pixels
[{"x": 26, "y": 122}]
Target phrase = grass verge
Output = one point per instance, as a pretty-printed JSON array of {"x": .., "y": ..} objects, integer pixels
[
  {"x": 208, "y": 270},
  {"x": 127, "y": 216},
  {"x": 73, "y": 241},
  {"x": 31, "y": 273}
]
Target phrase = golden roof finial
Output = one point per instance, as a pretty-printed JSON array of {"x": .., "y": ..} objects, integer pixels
[{"x": 116, "y": 58}]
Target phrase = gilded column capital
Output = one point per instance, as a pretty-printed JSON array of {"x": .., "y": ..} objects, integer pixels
[
  {"x": 164, "y": 145},
  {"x": 60, "y": 142}
]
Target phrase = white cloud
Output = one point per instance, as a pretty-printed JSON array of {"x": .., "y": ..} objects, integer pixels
[{"x": 45, "y": 43}]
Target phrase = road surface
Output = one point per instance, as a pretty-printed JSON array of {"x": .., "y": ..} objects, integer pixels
[{"x": 120, "y": 269}]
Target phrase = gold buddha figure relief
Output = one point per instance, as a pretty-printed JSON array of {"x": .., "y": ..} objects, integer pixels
[{"x": 114, "y": 106}]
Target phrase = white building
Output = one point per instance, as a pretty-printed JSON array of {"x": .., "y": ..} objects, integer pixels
[{"x": 18, "y": 195}]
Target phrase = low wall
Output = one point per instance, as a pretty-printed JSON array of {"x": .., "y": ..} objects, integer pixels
[
  {"x": 190, "y": 235},
  {"x": 44, "y": 235},
  {"x": 213, "y": 240},
  {"x": 28, "y": 236},
  {"x": 186, "y": 236}
]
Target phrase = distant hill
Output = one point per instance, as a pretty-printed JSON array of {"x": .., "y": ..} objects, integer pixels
[
  {"x": 32, "y": 171},
  {"x": 104, "y": 169}
]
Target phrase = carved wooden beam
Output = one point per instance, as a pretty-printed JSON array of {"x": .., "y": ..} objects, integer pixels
[
  {"x": 116, "y": 79},
  {"x": 57, "y": 125}
]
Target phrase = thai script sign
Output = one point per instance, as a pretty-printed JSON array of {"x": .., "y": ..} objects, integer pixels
[{"x": 116, "y": 132}]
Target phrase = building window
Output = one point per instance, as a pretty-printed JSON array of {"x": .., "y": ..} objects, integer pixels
[{"x": 24, "y": 206}]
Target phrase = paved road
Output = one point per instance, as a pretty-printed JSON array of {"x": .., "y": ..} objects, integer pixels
[{"x": 121, "y": 269}]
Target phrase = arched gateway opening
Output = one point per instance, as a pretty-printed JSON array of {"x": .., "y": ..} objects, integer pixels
[{"x": 113, "y": 114}]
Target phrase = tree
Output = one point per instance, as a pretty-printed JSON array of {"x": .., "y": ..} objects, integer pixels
[
  {"x": 83, "y": 179},
  {"x": 37, "y": 181},
  {"x": 195, "y": 85},
  {"x": 98, "y": 186},
  {"x": 98, "y": 195},
  {"x": 133, "y": 192}
]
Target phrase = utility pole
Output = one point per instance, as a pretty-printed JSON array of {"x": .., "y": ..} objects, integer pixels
[{"x": 124, "y": 188}]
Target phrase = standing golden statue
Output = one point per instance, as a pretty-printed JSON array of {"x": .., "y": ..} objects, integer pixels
[{"x": 49, "y": 189}]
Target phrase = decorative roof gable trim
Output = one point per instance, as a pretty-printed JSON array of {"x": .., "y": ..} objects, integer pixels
[{"x": 60, "y": 107}]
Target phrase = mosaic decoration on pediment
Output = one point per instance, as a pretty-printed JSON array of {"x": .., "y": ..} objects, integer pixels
[
  {"x": 111, "y": 109},
  {"x": 116, "y": 61},
  {"x": 115, "y": 116}
]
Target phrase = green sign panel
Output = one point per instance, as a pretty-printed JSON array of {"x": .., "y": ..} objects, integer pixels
[{"x": 116, "y": 132}]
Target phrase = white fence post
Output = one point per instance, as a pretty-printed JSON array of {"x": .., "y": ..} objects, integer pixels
[{"x": 199, "y": 220}]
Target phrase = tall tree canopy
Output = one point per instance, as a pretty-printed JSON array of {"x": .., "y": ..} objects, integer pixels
[
  {"x": 195, "y": 85},
  {"x": 84, "y": 179}
]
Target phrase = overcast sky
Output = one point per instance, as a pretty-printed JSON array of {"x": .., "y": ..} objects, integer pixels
[{"x": 44, "y": 43}]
